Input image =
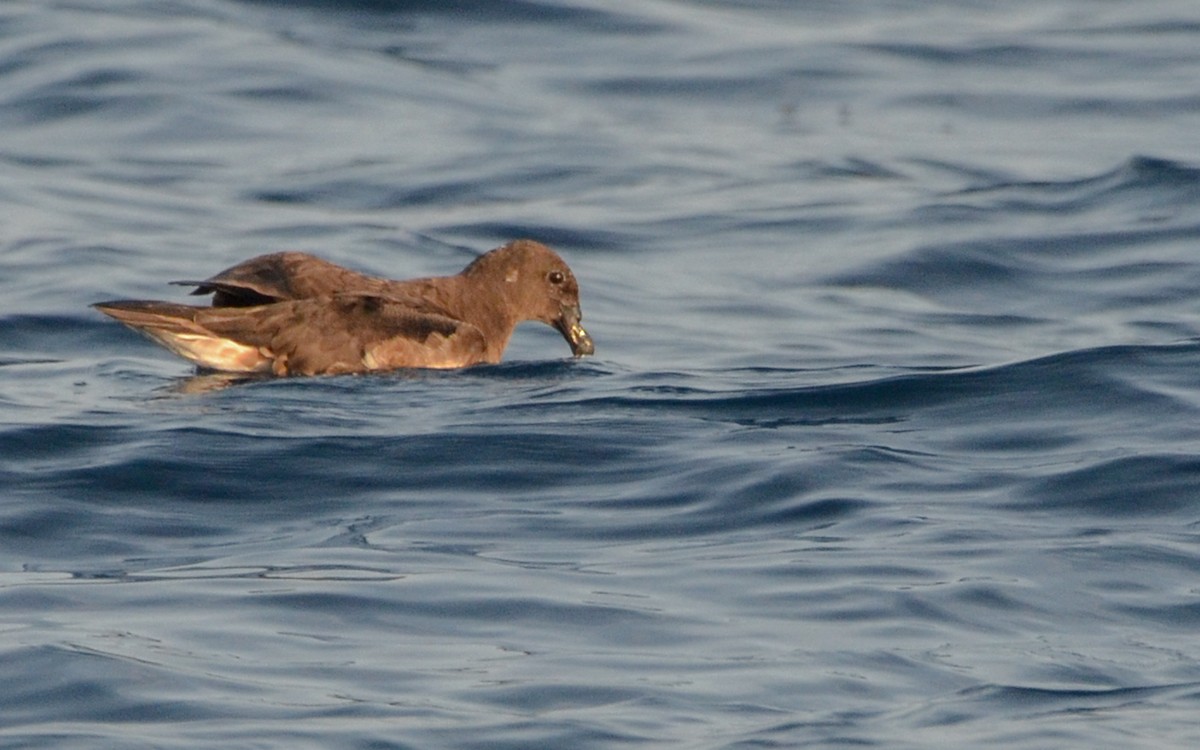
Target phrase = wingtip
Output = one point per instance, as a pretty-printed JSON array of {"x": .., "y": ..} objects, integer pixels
[
  {"x": 201, "y": 287},
  {"x": 106, "y": 305},
  {"x": 120, "y": 304},
  {"x": 140, "y": 313}
]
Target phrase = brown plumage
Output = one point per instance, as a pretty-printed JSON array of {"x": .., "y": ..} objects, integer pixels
[{"x": 296, "y": 314}]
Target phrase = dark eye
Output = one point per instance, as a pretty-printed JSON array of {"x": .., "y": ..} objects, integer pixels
[{"x": 555, "y": 277}]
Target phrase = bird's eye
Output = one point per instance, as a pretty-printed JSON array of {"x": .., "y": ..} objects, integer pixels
[{"x": 555, "y": 277}]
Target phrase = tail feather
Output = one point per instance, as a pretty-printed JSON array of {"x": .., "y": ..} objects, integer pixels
[{"x": 175, "y": 327}]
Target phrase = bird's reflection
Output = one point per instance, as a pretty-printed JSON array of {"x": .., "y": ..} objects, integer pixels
[{"x": 211, "y": 381}]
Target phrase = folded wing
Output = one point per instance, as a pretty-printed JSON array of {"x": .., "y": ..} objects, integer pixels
[
  {"x": 283, "y": 276},
  {"x": 333, "y": 334}
]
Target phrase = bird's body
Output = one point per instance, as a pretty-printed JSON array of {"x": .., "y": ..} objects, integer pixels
[{"x": 296, "y": 314}]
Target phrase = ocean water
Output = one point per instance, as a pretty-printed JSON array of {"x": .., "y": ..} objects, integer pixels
[{"x": 891, "y": 439}]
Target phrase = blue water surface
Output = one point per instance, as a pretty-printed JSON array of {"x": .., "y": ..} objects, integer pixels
[{"x": 891, "y": 439}]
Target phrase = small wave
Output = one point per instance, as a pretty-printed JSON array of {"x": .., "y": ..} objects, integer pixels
[
  {"x": 1141, "y": 178},
  {"x": 1066, "y": 381},
  {"x": 1144, "y": 485}
]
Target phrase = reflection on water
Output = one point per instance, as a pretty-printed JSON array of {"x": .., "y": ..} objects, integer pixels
[
  {"x": 209, "y": 382},
  {"x": 890, "y": 441}
]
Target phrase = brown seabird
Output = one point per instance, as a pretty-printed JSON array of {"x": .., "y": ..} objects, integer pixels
[{"x": 295, "y": 314}]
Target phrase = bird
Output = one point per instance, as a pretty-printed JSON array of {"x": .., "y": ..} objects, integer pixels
[{"x": 292, "y": 313}]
